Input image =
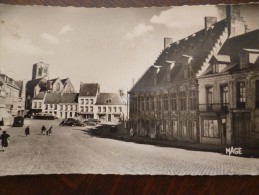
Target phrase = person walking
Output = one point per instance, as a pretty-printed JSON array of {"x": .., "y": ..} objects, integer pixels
[
  {"x": 49, "y": 132},
  {"x": 5, "y": 140},
  {"x": 43, "y": 130},
  {"x": 27, "y": 131}
]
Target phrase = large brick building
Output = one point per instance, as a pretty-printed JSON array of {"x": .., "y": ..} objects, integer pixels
[{"x": 164, "y": 102}]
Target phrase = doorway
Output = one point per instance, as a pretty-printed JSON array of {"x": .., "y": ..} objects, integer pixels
[{"x": 241, "y": 128}]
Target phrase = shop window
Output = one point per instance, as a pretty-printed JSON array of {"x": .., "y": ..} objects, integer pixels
[
  {"x": 174, "y": 127},
  {"x": 211, "y": 128},
  {"x": 183, "y": 128}
]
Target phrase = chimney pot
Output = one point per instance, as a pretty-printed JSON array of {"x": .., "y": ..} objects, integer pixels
[
  {"x": 167, "y": 42},
  {"x": 209, "y": 21}
]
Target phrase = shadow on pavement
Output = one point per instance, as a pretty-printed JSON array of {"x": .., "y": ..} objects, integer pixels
[{"x": 120, "y": 133}]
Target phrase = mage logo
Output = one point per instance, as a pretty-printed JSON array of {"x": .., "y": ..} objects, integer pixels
[{"x": 232, "y": 150}]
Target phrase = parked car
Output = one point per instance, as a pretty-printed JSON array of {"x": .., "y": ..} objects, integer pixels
[
  {"x": 18, "y": 121},
  {"x": 71, "y": 122},
  {"x": 92, "y": 122},
  {"x": 44, "y": 116}
]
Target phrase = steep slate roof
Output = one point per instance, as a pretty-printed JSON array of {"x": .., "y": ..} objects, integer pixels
[
  {"x": 69, "y": 98},
  {"x": 52, "y": 80},
  {"x": 233, "y": 46},
  {"x": 10, "y": 81},
  {"x": 30, "y": 85},
  {"x": 108, "y": 99},
  {"x": 197, "y": 46},
  {"x": 88, "y": 89},
  {"x": 53, "y": 98},
  {"x": 19, "y": 84},
  {"x": 64, "y": 81},
  {"x": 39, "y": 96},
  {"x": 56, "y": 98}
]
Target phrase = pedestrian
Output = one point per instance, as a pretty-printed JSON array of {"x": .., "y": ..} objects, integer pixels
[
  {"x": 27, "y": 131},
  {"x": 131, "y": 132},
  {"x": 43, "y": 130},
  {"x": 5, "y": 140},
  {"x": 49, "y": 132}
]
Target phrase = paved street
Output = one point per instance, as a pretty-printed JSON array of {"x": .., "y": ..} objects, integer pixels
[{"x": 73, "y": 150}]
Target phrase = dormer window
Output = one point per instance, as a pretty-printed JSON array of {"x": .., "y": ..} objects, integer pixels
[{"x": 215, "y": 68}]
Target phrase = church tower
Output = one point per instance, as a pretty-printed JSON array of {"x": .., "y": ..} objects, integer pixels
[{"x": 40, "y": 70}]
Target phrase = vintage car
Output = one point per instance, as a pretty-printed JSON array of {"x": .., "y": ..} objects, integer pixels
[
  {"x": 18, "y": 121},
  {"x": 92, "y": 122},
  {"x": 45, "y": 116},
  {"x": 71, "y": 122}
]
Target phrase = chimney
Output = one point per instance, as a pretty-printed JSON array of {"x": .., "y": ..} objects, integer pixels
[
  {"x": 120, "y": 92},
  {"x": 209, "y": 21},
  {"x": 236, "y": 23},
  {"x": 167, "y": 42}
]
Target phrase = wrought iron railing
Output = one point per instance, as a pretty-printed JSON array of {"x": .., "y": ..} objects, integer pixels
[{"x": 216, "y": 107}]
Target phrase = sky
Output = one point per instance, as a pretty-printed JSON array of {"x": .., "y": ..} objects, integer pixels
[{"x": 109, "y": 46}]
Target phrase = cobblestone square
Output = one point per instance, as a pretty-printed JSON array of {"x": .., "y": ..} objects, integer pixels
[{"x": 73, "y": 150}]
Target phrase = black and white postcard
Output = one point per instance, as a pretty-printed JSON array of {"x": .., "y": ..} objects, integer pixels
[{"x": 139, "y": 91}]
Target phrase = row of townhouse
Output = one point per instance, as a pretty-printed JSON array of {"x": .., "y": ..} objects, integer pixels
[
  {"x": 107, "y": 107},
  {"x": 89, "y": 103},
  {"x": 202, "y": 88},
  {"x": 12, "y": 99}
]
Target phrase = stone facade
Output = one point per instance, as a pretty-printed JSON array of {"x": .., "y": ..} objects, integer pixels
[
  {"x": 178, "y": 98},
  {"x": 12, "y": 99}
]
